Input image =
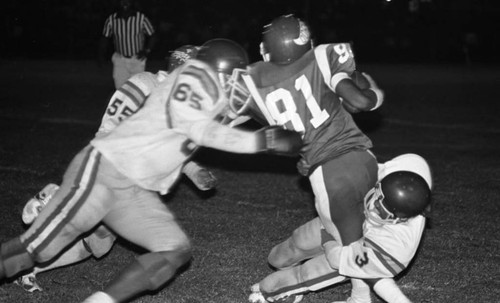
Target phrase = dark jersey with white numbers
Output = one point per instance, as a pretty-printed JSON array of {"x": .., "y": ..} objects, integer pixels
[{"x": 301, "y": 96}]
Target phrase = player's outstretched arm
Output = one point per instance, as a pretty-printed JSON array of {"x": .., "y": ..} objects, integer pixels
[{"x": 272, "y": 139}]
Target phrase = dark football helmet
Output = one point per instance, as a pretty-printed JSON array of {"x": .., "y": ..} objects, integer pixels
[
  {"x": 285, "y": 40},
  {"x": 223, "y": 55},
  {"x": 229, "y": 59},
  {"x": 398, "y": 196}
]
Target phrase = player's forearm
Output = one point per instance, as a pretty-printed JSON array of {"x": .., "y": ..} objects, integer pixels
[
  {"x": 214, "y": 135},
  {"x": 272, "y": 139}
]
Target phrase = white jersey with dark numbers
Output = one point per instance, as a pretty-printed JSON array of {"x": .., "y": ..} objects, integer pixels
[
  {"x": 128, "y": 99},
  {"x": 151, "y": 146},
  {"x": 387, "y": 249}
]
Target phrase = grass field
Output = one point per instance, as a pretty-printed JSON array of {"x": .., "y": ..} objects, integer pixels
[{"x": 449, "y": 115}]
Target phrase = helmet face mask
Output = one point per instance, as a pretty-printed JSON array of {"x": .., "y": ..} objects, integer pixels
[
  {"x": 397, "y": 197},
  {"x": 376, "y": 211},
  {"x": 229, "y": 60},
  {"x": 237, "y": 92}
]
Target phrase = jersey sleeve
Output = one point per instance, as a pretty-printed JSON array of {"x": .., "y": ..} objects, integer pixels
[
  {"x": 336, "y": 62},
  {"x": 196, "y": 95},
  {"x": 127, "y": 100},
  {"x": 384, "y": 251},
  {"x": 148, "y": 26},
  {"x": 107, "y": 30}
]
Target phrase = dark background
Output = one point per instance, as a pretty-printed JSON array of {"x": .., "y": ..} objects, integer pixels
[{"x": 419, "y": 31}]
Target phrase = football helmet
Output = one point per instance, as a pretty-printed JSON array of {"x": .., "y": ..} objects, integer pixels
[
  {"x": 285, "y": 40},
  {"x": 397, "y": 197},
  {"x": 229, "y": 59}
]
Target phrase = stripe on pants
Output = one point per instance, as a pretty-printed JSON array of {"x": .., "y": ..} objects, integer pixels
[{"x": 70, "y": 204}]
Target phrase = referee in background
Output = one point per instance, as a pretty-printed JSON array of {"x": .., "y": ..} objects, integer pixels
[{"x": 133, "y": 38}]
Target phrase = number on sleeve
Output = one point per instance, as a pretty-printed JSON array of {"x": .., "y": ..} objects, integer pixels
[
  {"x": 126, "y": 112},
  {"x": 113, "y": 107},
  {"x": 183, "y": 92},
  {"x": 343, "y": 51}
]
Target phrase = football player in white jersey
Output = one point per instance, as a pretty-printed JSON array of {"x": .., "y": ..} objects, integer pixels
[
  {"x": 117, "y": 179},
  {"x": 124, "y": 102},
  {"x": 392, "y": 230}
]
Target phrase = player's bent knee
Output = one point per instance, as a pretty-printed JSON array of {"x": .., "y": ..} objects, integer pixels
[{"x": 99, "y": 245}]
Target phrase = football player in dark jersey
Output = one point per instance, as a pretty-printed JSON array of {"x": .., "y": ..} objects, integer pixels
[{"x": 309, "y": 89}]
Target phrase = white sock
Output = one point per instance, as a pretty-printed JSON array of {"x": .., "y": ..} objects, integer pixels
[
  {"x": 360, "y": 291},
  {"x": 99, "y": 297},
  {"x": 390, "y": 292}
]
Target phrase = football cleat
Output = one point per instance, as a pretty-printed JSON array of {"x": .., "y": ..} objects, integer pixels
[
  {"x": 200, "y": 176},
  {"x": 34, "y": 206},
  {"x": 205, "y": 180},
  {"x": 29, "y": 283},
  {"x": 257, "y": 297}
]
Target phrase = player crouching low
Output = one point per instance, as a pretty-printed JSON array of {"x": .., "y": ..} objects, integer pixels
[
  {"x": 108, "y": 183},
  {"x": 395, "y": 220},
  {"x": 123, "y": 103}
]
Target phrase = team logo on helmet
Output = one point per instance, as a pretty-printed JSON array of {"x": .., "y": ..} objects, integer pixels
[
  {"x": 304, "y": 34},
  {"x": 183, "y": 55}
]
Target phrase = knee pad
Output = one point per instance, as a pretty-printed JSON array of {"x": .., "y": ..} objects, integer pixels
[{"x": 159, "y": 267}]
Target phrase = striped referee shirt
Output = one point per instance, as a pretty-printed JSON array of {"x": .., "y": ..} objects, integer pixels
[{"x": 129, "y": 33}]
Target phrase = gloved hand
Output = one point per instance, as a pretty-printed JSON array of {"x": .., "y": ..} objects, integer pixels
[{"x": 276, "y": 140}]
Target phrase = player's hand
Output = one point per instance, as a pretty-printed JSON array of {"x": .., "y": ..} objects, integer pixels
[{"x": 276, "y": 140}]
